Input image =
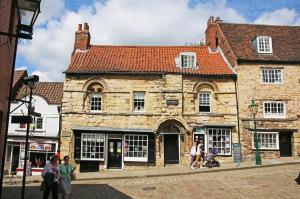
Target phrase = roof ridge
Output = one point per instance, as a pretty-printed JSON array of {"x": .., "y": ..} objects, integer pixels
[
  {"x": 253, "y": 24},
  {"x": 142, "y": 46}
]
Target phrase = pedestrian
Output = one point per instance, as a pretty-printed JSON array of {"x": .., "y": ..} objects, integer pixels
[
  {"x": 199, "y": 149},
  {"x": 51, "y": 177},
  {"x": 66, "y": 171},
  {"x": 193, "y": 154}
]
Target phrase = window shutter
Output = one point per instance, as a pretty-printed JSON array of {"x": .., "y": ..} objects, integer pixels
[
  {"x": 151, "y": 148},
  {"x": 77, "y": 146}
]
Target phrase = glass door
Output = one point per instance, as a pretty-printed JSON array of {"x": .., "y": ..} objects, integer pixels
[{"x": 114, "y": 154}]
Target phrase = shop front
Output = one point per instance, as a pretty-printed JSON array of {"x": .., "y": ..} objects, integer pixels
[
  {"x": 218, "y": 137},
  {"x": 111, "y": 148},
  {"x": 40, "y": 151}
]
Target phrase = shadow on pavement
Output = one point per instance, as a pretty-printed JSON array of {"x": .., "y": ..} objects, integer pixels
[{"x": 79, "y": 191}]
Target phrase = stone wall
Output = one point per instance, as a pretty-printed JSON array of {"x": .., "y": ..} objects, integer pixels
[
  {"x": 117, "y": 95},
  {"x": 250, "y": 86}
]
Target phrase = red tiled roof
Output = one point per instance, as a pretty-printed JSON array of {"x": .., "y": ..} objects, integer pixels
[
  {"x": 145, "y": 59},
  {"x": 51, "y": 91},
  {"x": 18, "y": 76},
  {"x": 285, "y": 41}
]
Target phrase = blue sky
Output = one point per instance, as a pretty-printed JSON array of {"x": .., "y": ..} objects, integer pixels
[{"x": 136, "y": 22}]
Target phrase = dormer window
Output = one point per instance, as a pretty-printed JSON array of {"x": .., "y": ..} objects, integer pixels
[
  {"x": 188, "y": 60},
  {"x": 264, "y": 44}
]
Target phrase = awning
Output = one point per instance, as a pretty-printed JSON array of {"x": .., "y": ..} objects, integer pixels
[{"x": 109, "y": 129}]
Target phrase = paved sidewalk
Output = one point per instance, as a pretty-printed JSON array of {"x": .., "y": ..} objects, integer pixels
[{"x": 166, "y": 171}]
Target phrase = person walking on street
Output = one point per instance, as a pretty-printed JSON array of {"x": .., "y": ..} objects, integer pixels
[
  {"x": 51, "y": 177},
  {"x": 198, "y": 154},
  {"x": 193, "y": 154},
  {"x": 66, "y": 172}
]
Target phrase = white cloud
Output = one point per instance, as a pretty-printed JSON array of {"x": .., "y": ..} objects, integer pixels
[
  {"x": 50, "y": 9},
  {"x": 119, "y": 22},
  {"x": 283, "y": 16}
]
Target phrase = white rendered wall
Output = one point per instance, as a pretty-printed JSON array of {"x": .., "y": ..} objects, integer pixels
[{"x": 48, "y": 112}]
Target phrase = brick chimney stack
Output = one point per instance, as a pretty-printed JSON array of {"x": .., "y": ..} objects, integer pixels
[
  {"x": 211, "y": 36},
  {"x": 82, "y": 37}
]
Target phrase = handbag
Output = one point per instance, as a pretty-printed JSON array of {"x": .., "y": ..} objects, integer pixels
[
  {"x": 43, "y": 186},
  {"x": 73, "y": 176}
]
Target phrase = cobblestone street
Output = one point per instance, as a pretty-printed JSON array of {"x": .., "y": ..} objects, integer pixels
[{"x": 271, "y": 182}]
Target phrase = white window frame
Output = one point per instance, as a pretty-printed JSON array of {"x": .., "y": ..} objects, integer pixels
[
  {"x": 264, "y": 40},
  {"x": 270, "y": 75},
  {"x": 98, "y": 136},
  {"x": 137, "y": 97},
  {"x": 36, "y": 123},
  {"x": 205, "y": 93},
  {"x": 227, "y": 141},
  {"x": 95, "y": 95},
  {"x": 191, "y": 60},
  {"x": 274, "y": 115},
  {"x": 259, "y": 144},
  {"x": 136, "y": 159}
]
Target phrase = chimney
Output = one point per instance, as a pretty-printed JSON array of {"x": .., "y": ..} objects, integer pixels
[
  {"x": 218, "y": 20},
  {"x": 210, "y": 21},
  {"x": 82, "y": 37}
]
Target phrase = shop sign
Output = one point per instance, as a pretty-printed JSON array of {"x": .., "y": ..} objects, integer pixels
[{"x": 39, "y": 147}]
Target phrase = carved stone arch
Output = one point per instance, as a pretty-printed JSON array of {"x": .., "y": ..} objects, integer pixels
[
  {"x": 176, "y": 121},
  {"x": 95, "y": 83},
  {"x": 201, "y": 85}
]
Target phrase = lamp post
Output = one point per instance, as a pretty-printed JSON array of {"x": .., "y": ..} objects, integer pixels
[
  {"x": 30, "y": 82},
  {"x": 253, "y": 108}
]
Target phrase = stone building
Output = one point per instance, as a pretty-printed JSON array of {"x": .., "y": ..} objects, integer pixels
[
  {"x": 266, "y": 60},
  {"x": 129, "y": 106}
]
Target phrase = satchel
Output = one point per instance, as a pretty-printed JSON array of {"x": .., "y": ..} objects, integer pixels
[
  {"x": 73, "y": 176},
  {"x": 43, "y": 186}
]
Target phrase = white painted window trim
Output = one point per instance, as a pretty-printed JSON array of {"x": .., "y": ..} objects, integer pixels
[
  {"x": 81, "y": 147},
  {"x": 144, "y": 97},
  {"x": 265, "y": 148},
  {"x": 274, "y": 115},
  {"x": 270, "y": 42},
  {"x": 205, "y": 92},
  {"x": 135, "y": 159},
  {"x": 230, "y": 140},
  {"x": 269, "y": 69},
  {"x": 95, "y": 95},
  {"x": 188, "y": 54}
]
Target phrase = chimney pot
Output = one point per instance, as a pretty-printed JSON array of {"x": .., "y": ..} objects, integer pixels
[
  {"x": 85, "y": 26},
  {"x": 79, "y": 27}
]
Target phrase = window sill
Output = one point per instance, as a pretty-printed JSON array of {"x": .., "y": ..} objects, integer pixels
[{"x": 135, "y": 159}]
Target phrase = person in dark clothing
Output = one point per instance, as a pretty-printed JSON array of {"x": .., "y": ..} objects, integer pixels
[{"x": 51, "y": 177}]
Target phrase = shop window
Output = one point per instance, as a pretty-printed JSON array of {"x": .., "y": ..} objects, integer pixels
[
  {"x": 92, "y": 146},
  {"x": 40, "y": 154},
  {"x": 136, "y": 147},
  {"x": 219, "y": 139},
  {"x": 22, "y": 125},
  {"x": 266, "y": 140},
  {"x": 138, "y": 101}
]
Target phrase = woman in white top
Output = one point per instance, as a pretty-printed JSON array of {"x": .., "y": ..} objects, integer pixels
[
  {"x": 193, "y": 153},
  {"x": 198, "y": 154}
]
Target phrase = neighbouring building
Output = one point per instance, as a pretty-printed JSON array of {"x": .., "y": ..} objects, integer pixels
[
  {"x": 266, "y": 59},
  {"x": 44, "y": 129},
  {"x": 8, "y": 21},
  {"x": 136, "y": 106}
]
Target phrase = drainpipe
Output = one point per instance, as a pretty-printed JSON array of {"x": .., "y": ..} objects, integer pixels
[{"x": 237, "y": 109}]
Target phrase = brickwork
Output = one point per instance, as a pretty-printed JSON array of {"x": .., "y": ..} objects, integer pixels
[{"x": 7, "y": 47}]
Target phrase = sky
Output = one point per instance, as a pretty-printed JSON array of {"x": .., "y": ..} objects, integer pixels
[{"x": 135, "y": 22}]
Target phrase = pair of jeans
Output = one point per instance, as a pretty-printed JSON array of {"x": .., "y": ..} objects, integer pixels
[{"x": 53, "y": 187}]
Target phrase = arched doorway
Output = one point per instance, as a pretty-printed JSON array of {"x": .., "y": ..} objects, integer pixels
[{"x": 171, "y": 142}]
